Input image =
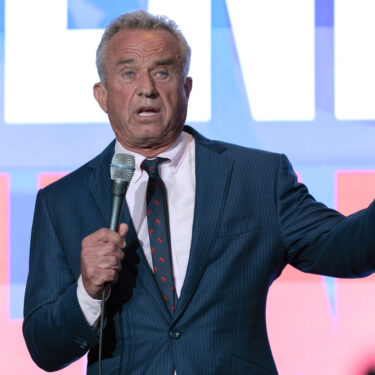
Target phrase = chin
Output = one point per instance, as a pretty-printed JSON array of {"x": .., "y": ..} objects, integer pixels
[
  {"x": 148, "y": 139},
  {"x": 151, "y": 131}
]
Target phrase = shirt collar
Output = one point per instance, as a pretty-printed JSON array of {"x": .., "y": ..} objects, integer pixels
[{"x": 175, "y": 154}]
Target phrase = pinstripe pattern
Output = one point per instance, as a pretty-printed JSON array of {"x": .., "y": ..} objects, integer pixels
[{"x": 251, "y": 219}]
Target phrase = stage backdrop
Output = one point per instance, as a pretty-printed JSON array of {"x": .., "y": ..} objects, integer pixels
[{"x": 291, "y": 76}]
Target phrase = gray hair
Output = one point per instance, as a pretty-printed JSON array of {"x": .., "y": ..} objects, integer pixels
[{"x": 141, "y": 20}]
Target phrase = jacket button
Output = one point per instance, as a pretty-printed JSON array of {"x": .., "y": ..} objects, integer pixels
[{"x": 174, "y": 335}]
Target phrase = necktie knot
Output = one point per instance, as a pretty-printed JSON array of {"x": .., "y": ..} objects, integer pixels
[{"x": 151, "y": 166}]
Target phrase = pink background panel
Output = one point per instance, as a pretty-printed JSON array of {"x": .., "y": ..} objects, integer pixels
[
  {"x": 354, "y": 190},
  {"x": 44, "y": 179},
  {"x": 16, "y": 359},
  {"x": 4, "y": 228},
  {"x": 303, "y": 329},
  {"x": 303, "y": 333}
]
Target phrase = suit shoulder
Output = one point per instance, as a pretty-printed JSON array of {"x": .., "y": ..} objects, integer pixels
[
  {"x": 257, "y": 162},
  {"x": 235, "y": 151},
  {"x": 249, "y": 152},
  {"x": 251, "y": 157}
]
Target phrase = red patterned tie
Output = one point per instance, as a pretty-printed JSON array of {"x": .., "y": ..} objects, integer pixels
[{"x": 158, "y": 229}]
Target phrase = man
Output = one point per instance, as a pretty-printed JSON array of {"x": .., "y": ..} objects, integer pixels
[{"x": 237, "y": 216}]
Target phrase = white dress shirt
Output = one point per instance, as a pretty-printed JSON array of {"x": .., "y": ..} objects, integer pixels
[{"x": 178, "y": 175}]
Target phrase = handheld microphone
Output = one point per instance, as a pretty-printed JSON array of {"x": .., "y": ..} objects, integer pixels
[{"x": 122, "y": 169}]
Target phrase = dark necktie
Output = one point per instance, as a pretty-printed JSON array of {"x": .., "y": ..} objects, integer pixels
[{"x": 158, "y": 229}]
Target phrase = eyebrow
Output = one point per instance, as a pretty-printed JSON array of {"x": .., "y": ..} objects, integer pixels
[
  {"x": 123, "y": 62},
  {"x": 157, "y": 63},
  {"x": 165, "y": 62}
]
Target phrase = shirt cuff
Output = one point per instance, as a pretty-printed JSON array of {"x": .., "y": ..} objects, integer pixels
[{"x": 90, "y": 307}]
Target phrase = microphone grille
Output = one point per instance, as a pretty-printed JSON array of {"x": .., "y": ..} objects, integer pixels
[{"x": 122, "y": 167}]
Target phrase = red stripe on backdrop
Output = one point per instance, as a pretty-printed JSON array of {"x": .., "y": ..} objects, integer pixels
[
  {"x": 13, "y": 348},
  {"x": 4, "y": 228},
  {"x": 355, "y": 190}
]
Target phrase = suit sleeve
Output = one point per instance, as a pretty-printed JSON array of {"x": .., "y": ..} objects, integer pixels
[
  {"x": 320, "y": 240},
  {"x": 55, "y": 329}
]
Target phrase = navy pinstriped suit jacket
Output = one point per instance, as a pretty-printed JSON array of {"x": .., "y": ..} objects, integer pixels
[{"x": 251, "y": 218}]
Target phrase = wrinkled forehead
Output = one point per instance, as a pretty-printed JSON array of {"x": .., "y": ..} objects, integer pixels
[{"x": 143, "y": 45}]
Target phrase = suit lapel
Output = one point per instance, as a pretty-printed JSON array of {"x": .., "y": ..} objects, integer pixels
[
  {"x": 213, "y": 172},
  {"x": 99, "y": 184}
]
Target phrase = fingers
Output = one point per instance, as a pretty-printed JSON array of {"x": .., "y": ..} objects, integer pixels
[
  {"x": 123, "y": 229},
  {"x": 106, "y": 248},
  {"x": 101, "y": 257},
  {"x": 106, "y": 235},
  {"x": 111, "y": 262}
]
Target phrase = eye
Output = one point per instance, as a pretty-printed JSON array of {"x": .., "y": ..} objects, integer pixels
[
  {"x": 128, "y": 74},
  {"x": 162, "y": 74}
]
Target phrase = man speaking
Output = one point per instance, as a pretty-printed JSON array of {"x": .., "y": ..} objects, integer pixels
[{"x": 206, "y": 228}]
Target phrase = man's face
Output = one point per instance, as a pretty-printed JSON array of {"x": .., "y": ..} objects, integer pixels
[{"x": 146, "y": 95}]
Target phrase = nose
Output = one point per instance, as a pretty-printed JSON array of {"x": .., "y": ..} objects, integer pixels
[{"x": 147, "y": 86}]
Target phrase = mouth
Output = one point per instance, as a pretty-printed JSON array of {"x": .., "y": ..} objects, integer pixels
[{"x": 147, "y": 111}]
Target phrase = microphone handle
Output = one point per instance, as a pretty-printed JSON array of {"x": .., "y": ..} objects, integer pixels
[
  {"x": 118, "y": 197},
  {"x": 117, "y": 203}
]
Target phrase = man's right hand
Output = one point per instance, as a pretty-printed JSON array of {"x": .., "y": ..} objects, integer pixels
[{"x": 101, "y": 256}]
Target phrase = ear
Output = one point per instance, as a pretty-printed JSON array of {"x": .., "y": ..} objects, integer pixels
[
  {"x": 188, "y": 85},
  {"x": 100, "y": 94}
]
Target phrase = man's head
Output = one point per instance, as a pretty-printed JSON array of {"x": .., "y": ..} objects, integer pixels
[
  {"x": 143, "y": 62},
  {"x": 141, "y": 20}
]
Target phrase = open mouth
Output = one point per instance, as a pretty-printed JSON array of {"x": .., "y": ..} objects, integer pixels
[{"x": 147, "y": 111}]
